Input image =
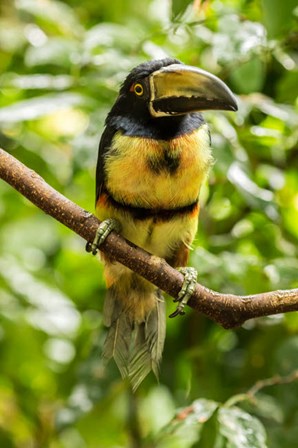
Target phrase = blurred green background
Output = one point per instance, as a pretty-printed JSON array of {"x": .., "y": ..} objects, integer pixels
[{"x": 61, "y": 64}]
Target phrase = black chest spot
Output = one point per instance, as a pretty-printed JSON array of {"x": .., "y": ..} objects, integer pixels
[{"x": 166, "y": 162}]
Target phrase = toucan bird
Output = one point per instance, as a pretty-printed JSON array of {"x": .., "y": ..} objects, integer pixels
[{"x": 154, "y": 155}]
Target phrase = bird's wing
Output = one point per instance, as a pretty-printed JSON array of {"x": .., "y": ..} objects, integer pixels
[{"x": 104, "y": 146}]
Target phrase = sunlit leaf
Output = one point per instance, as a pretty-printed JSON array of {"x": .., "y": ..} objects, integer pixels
[
  {"x": 108, "y": 35},
  {"x": 55, "y": 11},
  {"x": 37, "y": 107},
  {"x": 38, "y": 81},
  {"x": 55, "y": 52},
  {"x": 258, "y": 197},
  {"x": 282, "y": 112},
  {"x": 238, "y": 39},
  {"x": 187, "y": 424},
  {"x": 241, "y": 429}
]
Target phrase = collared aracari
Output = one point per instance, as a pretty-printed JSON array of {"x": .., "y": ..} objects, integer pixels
[{"x": 154, "y": 155}]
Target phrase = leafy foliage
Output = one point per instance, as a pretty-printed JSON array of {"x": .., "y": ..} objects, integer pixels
[
  {"x": 209, "y": 424},
  {"x": 61, "y": 64}
]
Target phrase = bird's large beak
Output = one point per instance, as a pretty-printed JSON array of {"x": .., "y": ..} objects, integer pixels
[{"x": 179, "y": 89}]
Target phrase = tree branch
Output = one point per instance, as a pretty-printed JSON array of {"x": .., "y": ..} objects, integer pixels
[{"x": 227, "y": 310}]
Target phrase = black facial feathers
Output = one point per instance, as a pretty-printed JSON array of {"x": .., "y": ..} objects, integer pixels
[{"x": 144, "y": 70}]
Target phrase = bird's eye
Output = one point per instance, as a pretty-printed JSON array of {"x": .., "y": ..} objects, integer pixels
[{"x": 138, "y": 89}]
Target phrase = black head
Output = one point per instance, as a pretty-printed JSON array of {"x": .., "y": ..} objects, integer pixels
[
  {"x": 134, "y": 94},
  {"x": 142, "y": 71},
  {"x": 168, "y": 88}
]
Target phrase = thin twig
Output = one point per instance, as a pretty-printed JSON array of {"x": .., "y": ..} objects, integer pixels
[
  {"x": 250, "y": 395},
  {"x": 227, "y": 310},
  {"x": 273, "y": 381}
]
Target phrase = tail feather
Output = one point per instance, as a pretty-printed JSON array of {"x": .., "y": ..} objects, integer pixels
[
  {"x": 155, "y": 332},
  {"x": 117, "y": 344},
  {"x": 135, "y": 346},
  {"x": 140, "y": 357}
]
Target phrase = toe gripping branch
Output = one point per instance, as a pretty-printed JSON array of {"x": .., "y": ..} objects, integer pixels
[
  {"x": 103, "y": 230},
  {"x": 190, "y": 274},
  {"x": 187, "y": 290}
]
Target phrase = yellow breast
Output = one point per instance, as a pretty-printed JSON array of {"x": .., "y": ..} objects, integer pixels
[{"x": 137, "y": 171}]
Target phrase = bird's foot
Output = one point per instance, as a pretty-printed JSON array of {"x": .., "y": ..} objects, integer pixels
[
  {"x": 104, "y": 229},
  {"x": 187, "y": 290}
]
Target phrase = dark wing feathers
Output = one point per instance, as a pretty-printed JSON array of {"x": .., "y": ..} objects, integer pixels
[{"x": 104, "y": 145}]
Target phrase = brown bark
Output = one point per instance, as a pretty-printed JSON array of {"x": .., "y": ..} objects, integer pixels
[{"x": 226, "y": 309}]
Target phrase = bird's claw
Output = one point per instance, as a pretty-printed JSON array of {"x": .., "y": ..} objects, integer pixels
[
  {"x": 187, "y": 290},
  {"x": 104, "y": 229}
]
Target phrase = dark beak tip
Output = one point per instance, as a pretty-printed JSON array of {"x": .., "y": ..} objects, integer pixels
[{"x": 233, "y": 106}]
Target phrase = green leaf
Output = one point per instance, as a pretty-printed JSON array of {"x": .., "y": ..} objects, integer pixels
[
  {"x": 278, "y": 16},
  {"x": 256, "y": 196},
  {"x": 58, "y": 51},
  {"x": 37, "y": 81},
  {"x": 249, "y": 77},
  {"x": 241, "y": 429},
  {"x": 187, "y": 424},
  {"x": 268, "y": 407},
  {"x": 208, "y": 434},
  {"x": 238, "y": 40},
  {"x": 55, "y": 12},
  {"x": 179, "y": 6},
  {"x": 37, "y": 107}
]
